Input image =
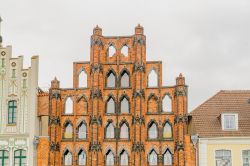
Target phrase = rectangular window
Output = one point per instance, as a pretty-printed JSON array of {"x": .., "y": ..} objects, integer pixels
[
  {"x": 229, "y": 121},
  {"x": 246, "y": 157},
  {"x": 24, "y": 83},
  {"x": 13, "y": 73},
  {"x": 12, "y": 109},
  {"x": 3, "y": 63},
  {"x": 223, "y": 158}
]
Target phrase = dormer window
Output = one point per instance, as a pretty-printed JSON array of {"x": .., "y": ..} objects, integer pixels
[{"x": 229, "y": 121}]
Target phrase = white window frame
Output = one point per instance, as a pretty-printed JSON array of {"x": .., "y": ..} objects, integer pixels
[{"x": 223, "y": 120}]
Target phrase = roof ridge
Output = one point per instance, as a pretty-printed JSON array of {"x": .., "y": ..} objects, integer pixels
[{"x": 199, "y": 106}]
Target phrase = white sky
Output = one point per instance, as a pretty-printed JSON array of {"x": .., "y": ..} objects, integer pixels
[{"x": 207, "y": 40}]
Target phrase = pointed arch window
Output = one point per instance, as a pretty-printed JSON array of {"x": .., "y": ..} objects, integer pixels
[
  {"x": 20, "y": 158},
  {"x": 153, "y": 131},
  {"x": 125, "y": 50},
  {"x": 4, "y": 157},
  {"x": 167, "y": 130},
  {"x": 111, "y": 51},
  {"x": 111, "y": 80},
  {"x": 152, "y": 158},
  {"x": 110, "y": 160},
  {"x": 110, "y": 131},
  {"x": 152, "y": 78},
  {"x": 167, "y": 104},
  {"x": 125, "y": 79},
  {"x": 167, "y": 158},
  {"x": 12, "y": 111},
  {"x": 124, "y": 131},
  {"x": 69, "y": 106},
  {"x": 110, "y": 106},
  {"x": 82, "y": 158},
  {"x": 68, "y": 133},
  {"x": 124, "y": 158},
  {"x": 124, "y": 105},
  {"x": 82, "y": 131},
  {"x": 83, "y": 79},
  {"x": 68, "y": 160}
]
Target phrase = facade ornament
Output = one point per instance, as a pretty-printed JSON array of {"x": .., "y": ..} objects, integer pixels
[
  {"x": 96, "y": 93},
  {"x": 56, "y": 94},
  {"x": 36, "y": 140},
  {"x": 54, "y": 120},
  {"x": 54, "y": 147},
  {"x": 95, "y": 120},
  {"x": 179, "y": 146},
  {"x": 138, "y": 147},
  {"x": 96, "y": 68},
  {"x": 96, "y": 41},
  {"x": 181, "y": 119},
  {"x": 139, "y": 93},
  {"x": 181, "y": 91},
  {"x": 139, "y": 67},
  {"x": 95, "y": 147},
  {"x": 138, "y": 119},
  {"x": 139, "y": 40}
]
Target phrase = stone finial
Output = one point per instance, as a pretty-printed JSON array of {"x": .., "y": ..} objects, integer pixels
[
  {"x": 139, "y": 30},
  {"x": 180, "y": 80},
  {"x": 55, "y": 84},
  {"x": 97, "y": 30}
]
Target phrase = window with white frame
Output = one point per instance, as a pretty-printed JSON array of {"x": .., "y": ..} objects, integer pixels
[
  {"x": 246, "y": 157},
  {"x": 223, "y": 158},
  {"x": 230, "y": 121}
]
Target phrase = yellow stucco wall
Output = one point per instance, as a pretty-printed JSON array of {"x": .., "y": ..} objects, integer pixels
[{"x": 236, "y": 152}]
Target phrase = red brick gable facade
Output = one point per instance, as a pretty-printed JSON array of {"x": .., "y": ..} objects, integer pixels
[{"x": 124, "y": 117}]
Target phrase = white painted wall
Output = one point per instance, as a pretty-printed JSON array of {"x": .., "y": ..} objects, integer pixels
[{"x": 20, "y": 135}]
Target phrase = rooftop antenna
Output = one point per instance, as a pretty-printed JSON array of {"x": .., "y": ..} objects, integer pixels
[{"x": 1, "y": 39}]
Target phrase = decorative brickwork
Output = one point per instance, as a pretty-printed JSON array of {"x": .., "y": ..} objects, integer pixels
[{"x": 121, "y": 109}]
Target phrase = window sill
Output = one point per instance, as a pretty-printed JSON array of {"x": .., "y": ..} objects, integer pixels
[
  {"x": 81, "y": 140},
  {"x": 67, "y": 139},
  {"x": 109, "y": 140},
  {"x": 11, "y": 124},
  {"x": 67, "y": 114}
]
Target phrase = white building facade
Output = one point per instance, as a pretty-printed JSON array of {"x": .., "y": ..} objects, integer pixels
[{"x": 18, "y": 109}]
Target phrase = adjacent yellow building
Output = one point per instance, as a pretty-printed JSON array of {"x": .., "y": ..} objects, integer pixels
[{"x": 222, "y": 125}]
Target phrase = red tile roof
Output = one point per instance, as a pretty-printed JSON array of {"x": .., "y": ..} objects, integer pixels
[{"x": 205, "y": 118}]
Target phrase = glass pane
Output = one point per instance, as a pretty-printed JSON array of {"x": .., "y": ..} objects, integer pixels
[
  {"x": 167, "y": 158},
  {"x": 124, "y": 105},
  {"x": 82, "y": 133},
  {"x": 68, "y": 158},
  {"x": 153, "y": 158},
  {"x": 167, "y": 131},
  {"x": 110, "y": 158},
  {"x": 124, "y": 158},
  {"x": 125, "y": 80},
  {"x": 111, "y": 80},
  {"x": 82, "y": 158},
  {"x": 111, "y": 106},
  {"x": 110, "y": 131},
  {"x": 68, "y": 131},
  {"x": 124, "y": 131},
  {"x": 153, "y": 131}
]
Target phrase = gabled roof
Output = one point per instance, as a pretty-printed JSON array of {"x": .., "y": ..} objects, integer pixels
[{"x": 206, "y": 118}]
